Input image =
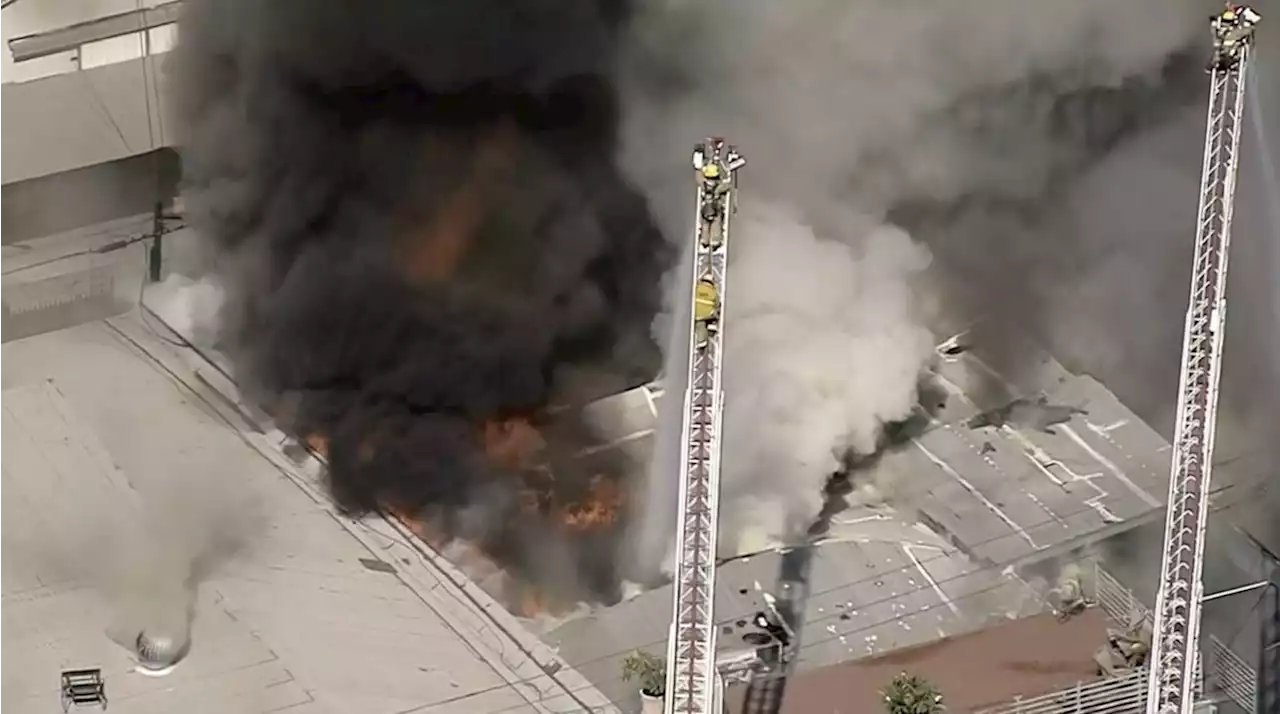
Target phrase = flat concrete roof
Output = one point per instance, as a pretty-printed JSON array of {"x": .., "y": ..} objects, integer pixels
[
  {"x": 1021, "y": 492},
  {"x": 320, "y": 614}
]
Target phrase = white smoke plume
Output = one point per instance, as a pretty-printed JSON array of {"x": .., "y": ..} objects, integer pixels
[
  {"x": 848, "y": 112},
  {"x": 146, "y": 554},
  {"x": 823, "y": 347},
  {"x": 189, "y": 306},
  {"x": 153, "y": 560}
]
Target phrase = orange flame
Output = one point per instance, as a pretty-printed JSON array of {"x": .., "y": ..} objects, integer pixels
[
  {"x": 424, "y": 530},
  {"x": 513, "y": 443},
  {"x": 598, "y": 510},
  {"x": 433, "y": 252},
  {"x": 533, "y": 602},
  {"x": 517, "y": 444},
  {"x": 318, "y": 444}
]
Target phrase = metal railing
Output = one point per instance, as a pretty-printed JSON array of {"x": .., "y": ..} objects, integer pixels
[
  {"x": 1127, "y": 694},
  {"x": 1118, "y": 695},
  {"x": 1231, "y": 675},
  {"x": 1117, "y": 601}
]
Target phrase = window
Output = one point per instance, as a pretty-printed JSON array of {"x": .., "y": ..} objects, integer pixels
[
  {"x": 162, "y": 38},
  {"x": 110, "y": 51}
]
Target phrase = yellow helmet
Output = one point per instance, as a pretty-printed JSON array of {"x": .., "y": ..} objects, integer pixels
[
  {"x": 711, "y": 171},
  {"x": 1229, "y": 14}
]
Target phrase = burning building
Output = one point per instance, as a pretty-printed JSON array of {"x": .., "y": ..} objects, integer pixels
[
  {"x": 426, "y": 244},
  {"x": 566, "y": 510}
]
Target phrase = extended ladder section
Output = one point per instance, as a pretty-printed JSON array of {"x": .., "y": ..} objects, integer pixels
[
  {"x": 1177, "y": 616},
  {"x": 691, "y": 649},
  {"x": 767, "y": 684}
]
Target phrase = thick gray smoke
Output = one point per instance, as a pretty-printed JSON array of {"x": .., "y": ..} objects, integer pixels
[
  {"x": 960, "y": 122},
  {"x": 824, "y": 348}
]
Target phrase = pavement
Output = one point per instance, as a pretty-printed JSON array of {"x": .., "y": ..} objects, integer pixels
[{"x": 317, "y": 613}]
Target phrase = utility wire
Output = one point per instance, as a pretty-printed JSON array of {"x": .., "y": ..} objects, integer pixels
[{"x": 111, "y": 247}]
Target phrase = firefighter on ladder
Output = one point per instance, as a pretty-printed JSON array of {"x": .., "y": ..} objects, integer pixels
[
  {"x": 706, "y": 310},
  {"x": 1232, "y": 28}
]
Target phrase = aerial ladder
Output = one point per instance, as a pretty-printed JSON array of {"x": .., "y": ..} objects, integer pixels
[
  {"x": 1174, "y": 647},
  {"x": 782, "y": 620},
  {"x": 691, "y": 648}
]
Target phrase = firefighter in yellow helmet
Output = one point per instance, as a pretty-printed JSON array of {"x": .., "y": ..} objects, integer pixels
[
  {"x": 714, "y": 181},
  {"x": 1231, "y": 28},
  {"x": 706, "y": 310}
]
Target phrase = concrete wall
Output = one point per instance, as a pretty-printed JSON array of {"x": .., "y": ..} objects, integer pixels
[
  {"x": 72, "y": 298},
  {"x": 86, "y": 117},
  {"x": 41, "y": 206}
]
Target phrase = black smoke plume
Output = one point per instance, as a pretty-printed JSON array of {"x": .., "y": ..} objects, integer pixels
[{"x": 417, "y": 214}]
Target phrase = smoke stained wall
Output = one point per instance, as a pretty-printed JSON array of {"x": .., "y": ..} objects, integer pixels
[
  {"x": 419, "y": 227},
  {"x": 965, "y": 125}
]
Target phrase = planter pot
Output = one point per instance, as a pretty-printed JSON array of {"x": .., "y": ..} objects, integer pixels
[{"x": 649, "y": 704}]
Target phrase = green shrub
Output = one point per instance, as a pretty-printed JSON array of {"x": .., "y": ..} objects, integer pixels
[
  {"x": 908, "y": 694},
  {"x": 649, "y": 670}
]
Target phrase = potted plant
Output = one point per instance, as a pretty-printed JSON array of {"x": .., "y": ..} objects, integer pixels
[
  {"x": 908, "y": 694},
  {"x": 650, "y": 672}
]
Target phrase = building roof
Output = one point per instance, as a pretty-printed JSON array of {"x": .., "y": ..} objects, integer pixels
[
  {"x": 1024, "y": 491},
  {"x": 912, "y": 562},
  {"x": 1080, "y": 468},
  {"x": 889, "y": 576},
  {"x": 917, "y": 568},
  {"x": 875, "y": 589},
  {"x": 1023, "y": 658},
  {"x": 319, "y": 614}
]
